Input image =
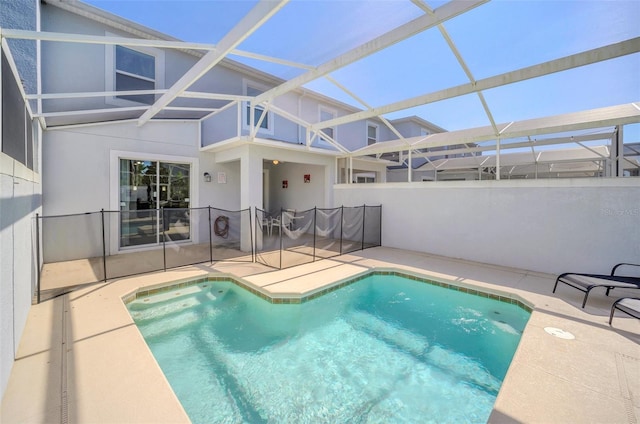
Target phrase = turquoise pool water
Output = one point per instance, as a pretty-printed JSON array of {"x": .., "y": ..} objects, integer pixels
[{"x": 383, "y": 349}]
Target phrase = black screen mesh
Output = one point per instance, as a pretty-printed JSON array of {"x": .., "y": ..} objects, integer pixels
[{"x": 13, "y": 117}]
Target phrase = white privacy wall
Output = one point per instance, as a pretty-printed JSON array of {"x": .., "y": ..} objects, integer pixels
[
  {"x": 20, "y": 196},
  {"x": 553, "y": 226},
  {"x": 20, "y": 199}
]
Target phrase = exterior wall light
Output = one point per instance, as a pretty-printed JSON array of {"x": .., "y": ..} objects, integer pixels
[
  {"x": 275, "y": 162},
  {"x": 207, "y": 177}
]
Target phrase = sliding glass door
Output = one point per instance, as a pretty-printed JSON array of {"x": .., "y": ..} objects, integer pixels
[{"x": 145, "y": 188}]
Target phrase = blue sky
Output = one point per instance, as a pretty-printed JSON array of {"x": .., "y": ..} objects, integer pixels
[{"x": 494, "y": 38}]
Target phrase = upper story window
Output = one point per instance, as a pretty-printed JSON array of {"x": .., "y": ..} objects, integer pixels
[
  {"x": 131, "y": 69},
  {"x": 135, "y": 71},
  {"x": 325, "y": 115},
  {"x": 372, "y": 133},
  {"x": 424, "y": 132},
  {"x": 254, "y": 89}
]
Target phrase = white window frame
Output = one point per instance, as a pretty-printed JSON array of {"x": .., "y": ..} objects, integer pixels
[
  {"x": 364, "y": 178},
  {"x": 377, "y": 127},
  {"x": 262, "y": 87},
  {"x": 114, "y": 192},
  {"x": 334, "y": 114},
  {"x": 110, "y": 71}
]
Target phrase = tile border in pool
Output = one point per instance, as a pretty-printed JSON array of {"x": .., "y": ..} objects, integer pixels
[{"x": 295, "y": 299}]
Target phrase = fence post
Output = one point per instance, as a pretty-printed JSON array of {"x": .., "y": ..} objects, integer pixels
[
  {"x": 164, "y": 241},
  {"x": 380, "y": 228},
  {"x": 364, "y": 214},
  {"x": 251, "y": 233},
  {"x": 104, "y": 248},
  {"x": 259, "y": 219},
  {"x": 315, "y": 225},
  {"x": 210, "y": 237},
  {"x": 341, "y": 228},
  {"x": 37, "y": 258},
  {"x": 281, "y": 231}
]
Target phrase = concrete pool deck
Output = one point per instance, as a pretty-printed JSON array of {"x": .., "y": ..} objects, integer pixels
[{"x": 82, "y": 359}]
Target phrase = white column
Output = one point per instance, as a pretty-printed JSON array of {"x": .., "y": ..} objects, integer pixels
[
  {"x": 329, "y": 181},
  {"x": 250, "y": 189},
  {"x": 350, "y": 169}
]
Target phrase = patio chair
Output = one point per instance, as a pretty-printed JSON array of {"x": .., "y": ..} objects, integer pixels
[
  {"x": 586, "y": 282},
  {"x": 628, "y": 305},
  {"x": 265, "y": 222},
  {"x": 285, "y": 218}
]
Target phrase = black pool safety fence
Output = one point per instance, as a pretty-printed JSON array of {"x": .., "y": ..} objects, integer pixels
[
  {"x": 289, "y": 237},
  {"x": 79, "y": 249}
]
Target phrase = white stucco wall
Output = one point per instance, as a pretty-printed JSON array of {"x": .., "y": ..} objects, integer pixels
[
  {"x": 20, "y": 200},
  {"x": 80, "y": 175},
  {"x": 76, "y": 172},
  {"x": 20, "y": 197},
  {"x": 553, "y": 226},
  {"x": 293, "y": 165},
  {"x": 298, "y": 195}
]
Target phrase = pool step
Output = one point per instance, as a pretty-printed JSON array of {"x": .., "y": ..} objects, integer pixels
[
  {"x": 165, "y": 312},
  {"x": 144, "y": 302},
  {"x": 173, "y": 318}
]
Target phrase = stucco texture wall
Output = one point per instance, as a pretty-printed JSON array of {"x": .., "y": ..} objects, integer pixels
[
  {"x": 76, "y": 174},
  {"x": 81, "y": 175},
  {"x": 298, "y": 194},
  {"x": 552, "y": 226},
  {"x": 20, "y": 196},
  {"x": 22, "y": 14}
]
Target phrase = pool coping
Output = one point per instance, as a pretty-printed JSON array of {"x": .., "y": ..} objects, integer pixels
[{"x": 500, "y": 296}]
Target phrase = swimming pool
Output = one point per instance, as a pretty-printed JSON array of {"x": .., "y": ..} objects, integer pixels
[{"x": 383, "y": 349}]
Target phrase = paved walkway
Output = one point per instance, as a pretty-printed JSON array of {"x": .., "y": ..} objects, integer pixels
[{"x": 81, "y": 358}]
